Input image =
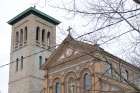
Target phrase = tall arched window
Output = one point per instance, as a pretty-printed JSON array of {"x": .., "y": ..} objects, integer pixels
[
  {"x": 127, "y": 74},
  {"x": 43, "y": 35},
  {"x": 71, "y": 85},
  {"x": 26, "y": 34},
  {"x": 17, "y": 38},
  {"x": 108, "y": 69},
  {"x": 17, "y": 64},
  {"x": 40, "y": 62},
  {"x": 87, "y": 82},
  {"x": 37, "y": 33},
  {"x": 48, "y": 38},
  {"x": 58, "y": 87},
  {"x": 21, "y": 62},
  {"x": 21, "y": 36}
]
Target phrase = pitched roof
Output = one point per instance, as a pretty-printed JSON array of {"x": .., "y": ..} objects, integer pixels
[
  {"x": 69, "y": 40},
  {"x": 36, "y": 12},
  {"x": 85, "y": 47}
]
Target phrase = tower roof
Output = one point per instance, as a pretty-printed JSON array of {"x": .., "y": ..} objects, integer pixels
[{"x": 36, "y": 12}]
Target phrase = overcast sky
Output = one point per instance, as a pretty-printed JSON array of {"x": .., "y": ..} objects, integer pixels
[{"x": 8, "y": 10}]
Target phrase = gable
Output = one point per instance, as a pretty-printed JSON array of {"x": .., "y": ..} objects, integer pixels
[
  {"x": 61, "y": 56},
  {"x": 69, "y": 48}
]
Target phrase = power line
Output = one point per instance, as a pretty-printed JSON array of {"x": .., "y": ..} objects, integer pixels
[
  {"x": 49, "y": 49},
  {"x": 107, "y": 26},
  {"x": 94, "y": 13},
  {"x": 53, "y": 47},
  {"x": 75, "y": 38},
  {"x": 101, "y": 60}
]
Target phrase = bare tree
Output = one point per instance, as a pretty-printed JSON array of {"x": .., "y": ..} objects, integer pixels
[{"x": 108, "y": 20}]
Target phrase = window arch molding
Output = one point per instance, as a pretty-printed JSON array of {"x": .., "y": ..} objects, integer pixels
[
  {"x": 37, "y": 33},
  {"x": 25, "y": 34},
  {"x": 57, "y": 85},
  {"x": 21, "y": 36},
  {"x": 16, "y": 38},
  {"x": 86, "y": 80},
  {"x": 17, "y": 64},
  {"x": 48, "y": 38},
  {"x": 70, "y": 82},
  {"x": 22, "y": 62},
  {"x": 43, "y": 36}
]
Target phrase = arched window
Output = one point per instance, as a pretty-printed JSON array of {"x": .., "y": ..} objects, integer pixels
[
  {"x": 17, "y": 64},
  {"x": 21, "y": 62},
  {"x": 87, "y": 82},
  {"x": 21, "y": 36},
  {"x": 46, "y": 59},
  {"x": 48, "y": 38},
  {"x": 127, "y": 74},
  {"x": 43, "y": 35},
  {"x": 71, "y": 86},
  {"x": 26, "y": 34},
  {"x": 17, "y": 37},
  {"x": 58, "y": 87},
  {"x": 40, "y": 62},
  {"x": 109, "y": 70},
  {"x": 37, "y": 33}
]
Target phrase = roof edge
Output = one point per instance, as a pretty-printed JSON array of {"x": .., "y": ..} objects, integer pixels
[{"x": 32, "y": 10}]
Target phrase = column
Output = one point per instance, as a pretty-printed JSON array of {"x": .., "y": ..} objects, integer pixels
[
  {"x": 62, "y": 85},
  {"x": 78, "y": 85}
]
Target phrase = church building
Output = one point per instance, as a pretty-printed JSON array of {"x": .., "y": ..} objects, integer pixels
[
  {"x": 74, "y": 67},
  {"x": 33, "y": 32},
  {"x": 79, "y": 67}
]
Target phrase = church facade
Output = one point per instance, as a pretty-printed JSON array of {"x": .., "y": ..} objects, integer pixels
[
  {"x": 33, "y": 32},
  {"x": 78, "y": 67}
]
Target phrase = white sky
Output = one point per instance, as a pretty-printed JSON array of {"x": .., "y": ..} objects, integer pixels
[{"x": 9, "y": 9}]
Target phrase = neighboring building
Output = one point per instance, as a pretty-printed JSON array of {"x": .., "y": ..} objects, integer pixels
[
  {"x": 78, "y": 67},
  {"x": 33, "y": 32}
]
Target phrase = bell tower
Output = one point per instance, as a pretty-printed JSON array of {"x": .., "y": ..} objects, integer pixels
[{"x": 33, "y": 36}]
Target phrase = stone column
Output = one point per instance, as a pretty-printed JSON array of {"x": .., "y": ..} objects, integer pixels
[
  {"x": 50, "y": 89},
  {"x": 62, "y": 85},
  {"x": 50, "y": 85},
  {"x": 78, "y": 85},
  {"x": 93, "y": 83},
  {"x": 45, "y": 82}
]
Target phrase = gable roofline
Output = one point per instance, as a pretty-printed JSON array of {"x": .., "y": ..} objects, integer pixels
[
  {"x": 69, "y": 39},
  {"x": 36, "y": 12},
  {"x": 119, "y": 59}
]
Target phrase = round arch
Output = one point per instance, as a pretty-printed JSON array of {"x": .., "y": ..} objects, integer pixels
[
  {"x": 57, "y": 85},
  {"x": 70, "y": 82},
  {"x": 85, "y": 80}
]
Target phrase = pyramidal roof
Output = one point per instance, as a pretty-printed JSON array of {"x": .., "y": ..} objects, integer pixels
[{"x": 36, "y": 12}]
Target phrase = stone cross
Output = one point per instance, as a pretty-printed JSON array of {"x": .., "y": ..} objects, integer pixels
[
  {"x": 34, "y": 6},
  {"x": 69, "y": 29}
]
